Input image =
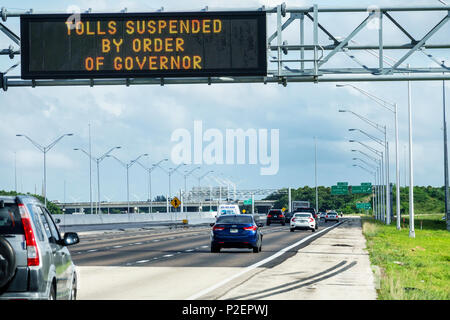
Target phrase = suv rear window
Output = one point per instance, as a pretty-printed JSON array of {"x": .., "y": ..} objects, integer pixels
[
  {"x": 234, "y": 219},
  {"x": 10, "y": 220}
]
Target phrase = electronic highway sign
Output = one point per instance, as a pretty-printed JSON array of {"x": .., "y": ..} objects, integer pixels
[{"x": 150, "y": 45}]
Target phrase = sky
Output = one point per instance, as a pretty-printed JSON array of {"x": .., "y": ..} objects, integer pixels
[{"x": 142, "y": 119}]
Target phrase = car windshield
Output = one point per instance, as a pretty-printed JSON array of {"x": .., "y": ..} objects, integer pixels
[
  {"x": 234, "y": 220},
  {"x": 304, "y": 215},
  {"x": 10, "y": 221}
]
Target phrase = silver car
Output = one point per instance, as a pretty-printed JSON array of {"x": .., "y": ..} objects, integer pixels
[
  {"x": 34, "y": 260},
  {"x": 302, "y": 221},
  {"x": 332, "y": 216}
]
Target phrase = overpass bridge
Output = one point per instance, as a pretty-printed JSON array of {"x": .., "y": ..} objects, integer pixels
[{"x": 261, "y": 206}]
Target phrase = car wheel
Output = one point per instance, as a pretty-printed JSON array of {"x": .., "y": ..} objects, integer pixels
[
  {"x": 215, "y": 249},
  {"x": 7, "y": 262},
  {"x": 73, "y": 292},
  {"x": 52, "y": 295},
  {"x": 268, "y": 223},
  {"x": 292, "y": 230},
  {"x": 313, "y": 230},
  {"x": 284, "y": 223},
  {"x": 255, "y": 249}
]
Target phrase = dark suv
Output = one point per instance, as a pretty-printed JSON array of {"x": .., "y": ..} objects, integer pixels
[
  {"x": 277, "y": 216},
  {"x": 34, "y": 260}
]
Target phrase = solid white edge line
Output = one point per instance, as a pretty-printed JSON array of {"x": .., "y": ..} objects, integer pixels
[{"x": 256, "y": 265}]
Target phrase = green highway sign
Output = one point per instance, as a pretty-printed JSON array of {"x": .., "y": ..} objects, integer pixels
[
  {"x": 342, "y": 184},
  {"x": 339, "y": 190},
  {"x": 367, "y": 184},
  {"x": 248, "y": 202},
  {"x": 363, "y": 205},
  {"x": 361, "y": 189}
]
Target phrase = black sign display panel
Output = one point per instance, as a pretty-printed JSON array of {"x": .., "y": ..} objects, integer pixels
[{"x": 128, "y": 45}]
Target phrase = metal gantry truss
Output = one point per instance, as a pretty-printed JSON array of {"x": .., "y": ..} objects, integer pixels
[{"x": 312, "y": 61}]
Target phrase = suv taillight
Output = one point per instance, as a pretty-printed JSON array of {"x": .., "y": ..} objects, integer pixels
[
  {"x": 32, "y": 249},
  {"x": 252, "y": 228},
  {"x": 269, "y": 216}
]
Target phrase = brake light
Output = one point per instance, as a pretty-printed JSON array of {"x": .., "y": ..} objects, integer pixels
[
  {"x": 252, "y": 228},
  {"x": 280, "y": 216},
  {"x": 32, "y": 249},
  {"x": 269, "y": 216},
  {"x": 293, "y": 220},
  {"x": 326, "y": 216},
  {"x": 215, "y": 228},
  {"x": 311, "y": 220}
]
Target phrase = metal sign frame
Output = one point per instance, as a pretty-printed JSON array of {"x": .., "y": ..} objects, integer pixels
[{"x": 313, "y": 61}]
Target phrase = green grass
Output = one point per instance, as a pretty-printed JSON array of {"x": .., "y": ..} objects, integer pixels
[{"x": 411, "y": 268}]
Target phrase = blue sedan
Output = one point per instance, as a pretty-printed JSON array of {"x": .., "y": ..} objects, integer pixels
[{"x": 236, "y": 231}]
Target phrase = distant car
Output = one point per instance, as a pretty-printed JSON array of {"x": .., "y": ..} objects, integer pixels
[
  {"x": 276, "y": 216},
  {"x": 322, "y": 215},
  {"x": 332, "y": 216},
  {"x": 288, "y": 216},
  {"x": 236, "y": 231},
  {"x": 34, "y": 260},
  {"x": 302, "y": 221}
]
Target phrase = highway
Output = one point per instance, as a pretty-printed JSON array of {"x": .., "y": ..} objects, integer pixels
[
  {"x": 178, "y": 248},
  {"x": 163, "y": 263}
]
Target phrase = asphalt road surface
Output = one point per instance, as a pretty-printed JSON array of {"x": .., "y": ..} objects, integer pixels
[{"x": 180, "y": 248}]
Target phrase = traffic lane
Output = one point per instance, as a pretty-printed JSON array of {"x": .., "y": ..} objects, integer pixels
[
  {"x": 191, "y": 251},
  {"x": 108, "y": 241},
  {"x": 126, "y": 252}
]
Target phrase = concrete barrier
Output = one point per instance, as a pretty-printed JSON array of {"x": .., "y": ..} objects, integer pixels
[{"x": 93, "y": 219}]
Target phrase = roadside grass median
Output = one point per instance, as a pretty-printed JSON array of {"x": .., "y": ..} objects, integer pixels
[{"x": 410, "y": 268}]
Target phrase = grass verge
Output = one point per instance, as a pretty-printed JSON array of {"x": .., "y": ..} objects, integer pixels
[{"x": 410, "y": 268}]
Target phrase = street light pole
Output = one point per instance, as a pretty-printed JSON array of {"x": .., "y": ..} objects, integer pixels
[
  {"x": 149, "y": 170},
  {"x": 412, "y": 233},
  {"x": 44, "y": 150},
  {"x": 393, "y": 108},
  {"x": 127, "y": 166},
  {"x": 97, "y": 160}
]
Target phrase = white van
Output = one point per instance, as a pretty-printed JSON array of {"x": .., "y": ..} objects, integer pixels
[{"x": 228, "y": 209}]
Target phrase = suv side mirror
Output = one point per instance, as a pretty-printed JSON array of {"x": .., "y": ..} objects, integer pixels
[
  {"x": 260, "y": 225},
  {"x": 211, "y": 224},
  {"x": 70, "y": 238}
]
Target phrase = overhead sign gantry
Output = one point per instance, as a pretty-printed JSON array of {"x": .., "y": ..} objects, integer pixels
[{"x": 224, "y": 46}]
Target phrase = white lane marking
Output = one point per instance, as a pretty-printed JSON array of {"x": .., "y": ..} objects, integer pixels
[
  {"x": 138, "y": 243},
  {"x": 204, "y": 247},
  {"x": 168, "y": 255},
  {"x": 189, "y": 250},
  {"x": 92, "y": 250},
  {"x": 117, "y": 246},
  {"x": 256, "y": 265},
  {"x": 142, "y": 261},
  {"x": 156, "y": 240}
]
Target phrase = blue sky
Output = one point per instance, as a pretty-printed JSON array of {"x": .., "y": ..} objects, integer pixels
[{"x": 141, "y": 119}]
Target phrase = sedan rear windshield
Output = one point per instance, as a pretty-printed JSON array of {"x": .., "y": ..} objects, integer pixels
[
  {"x": 10, "y": 221},
  {"x": 305, "y": 215},
  {"x": 234, "y": 219}
]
